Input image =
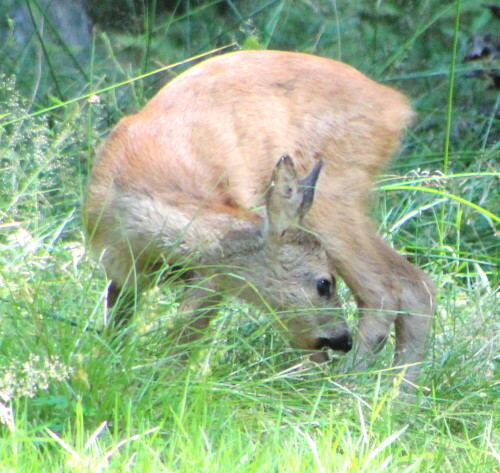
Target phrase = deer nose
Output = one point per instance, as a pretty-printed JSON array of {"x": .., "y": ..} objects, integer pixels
[{"x": 341, "y": 343}]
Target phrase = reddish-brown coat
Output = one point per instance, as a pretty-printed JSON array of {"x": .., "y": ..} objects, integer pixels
[{"x": 214, "y": 135}]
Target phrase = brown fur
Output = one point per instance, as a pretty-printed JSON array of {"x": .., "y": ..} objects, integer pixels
[{"x": 206, "y": 145}]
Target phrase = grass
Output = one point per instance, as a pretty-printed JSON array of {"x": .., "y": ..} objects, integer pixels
[{"x": 70, "y": 402}]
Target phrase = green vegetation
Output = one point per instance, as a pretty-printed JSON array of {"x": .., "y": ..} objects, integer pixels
[{"x": 71, "y": 402}]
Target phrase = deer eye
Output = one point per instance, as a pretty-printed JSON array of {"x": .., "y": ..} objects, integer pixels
[{"x": 323, "y": 286}]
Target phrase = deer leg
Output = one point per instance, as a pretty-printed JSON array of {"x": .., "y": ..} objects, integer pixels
[
  {"x": 121, "y": 303},
  {"x": 392, "y": 290},
  {"x": 200, "y": 303},
  {"x": 412, "y": 336},
  {"x": 414, "y": 317},
  {"x": 376, "y": 289},
  {"x": 124, "y": 288},
  {"x": 377, "y": 298}
]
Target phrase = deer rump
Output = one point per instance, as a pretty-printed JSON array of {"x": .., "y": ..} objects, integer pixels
[{"x": 191, "y": 173}]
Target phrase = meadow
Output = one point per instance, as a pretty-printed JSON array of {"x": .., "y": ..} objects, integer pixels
[{"x": 71, "y": 401}]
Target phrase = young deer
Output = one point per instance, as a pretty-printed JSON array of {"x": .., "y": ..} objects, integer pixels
[{"x": 184, "y": 179}]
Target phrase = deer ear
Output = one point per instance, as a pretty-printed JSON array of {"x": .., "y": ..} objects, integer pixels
[
  {"x": 308, "y": 185},
  {"x": 288, "y": 199}
]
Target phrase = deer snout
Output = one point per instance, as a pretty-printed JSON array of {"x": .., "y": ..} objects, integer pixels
[{"x": 342, "y": 342}]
